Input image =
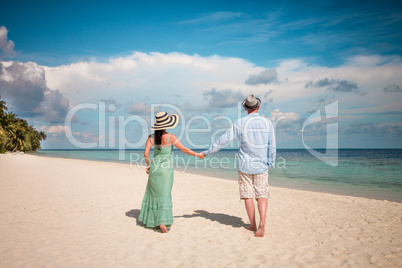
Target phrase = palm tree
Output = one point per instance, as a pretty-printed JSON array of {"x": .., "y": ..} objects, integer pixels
[
  {"x": 16, "y": 133},
  {"x": 8, "y": 123},
  {"x": 3, "y": 137},
  {"x": 20, "y": 137},
  {"x": 3, "y": 107}
]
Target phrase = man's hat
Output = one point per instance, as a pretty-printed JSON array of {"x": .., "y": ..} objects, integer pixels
[
  {"x": 251, "y": 103},
  {"x": 165, "y": 121}
]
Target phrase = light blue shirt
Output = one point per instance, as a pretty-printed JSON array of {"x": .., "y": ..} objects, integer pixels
[{"x": 256, "y": 135}]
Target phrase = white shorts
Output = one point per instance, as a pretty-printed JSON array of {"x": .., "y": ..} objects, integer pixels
[{"x": 251, "y": 185}]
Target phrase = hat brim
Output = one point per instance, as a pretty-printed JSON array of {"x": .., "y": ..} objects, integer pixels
[
  {"x": 252, "y": 107},
  {"x": 172, "y": 122}
]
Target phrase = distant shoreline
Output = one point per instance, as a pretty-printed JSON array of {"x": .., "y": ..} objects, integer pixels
[{"x": 276, "y": 178}]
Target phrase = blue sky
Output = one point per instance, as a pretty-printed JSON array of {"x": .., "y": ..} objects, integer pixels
[
  {"x": 326, "y": 32},
  {"x": 298, "y": 56}
]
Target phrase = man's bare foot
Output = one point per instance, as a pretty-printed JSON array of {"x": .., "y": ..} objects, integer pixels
[
  {"x": 163, "y": 228},
  {"x": 261, "y": 231}
]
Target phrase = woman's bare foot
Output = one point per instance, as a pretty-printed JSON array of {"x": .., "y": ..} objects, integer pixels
[
  {"x": 163, "y": 228},
  {"x": 253, "y": 228},
  {"x": 261, "y": 230}
]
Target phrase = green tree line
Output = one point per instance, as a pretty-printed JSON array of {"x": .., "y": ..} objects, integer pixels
[{"x": 16, "y": 134}]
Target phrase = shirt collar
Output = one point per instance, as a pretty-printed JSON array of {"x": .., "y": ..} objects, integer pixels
[{"x": 254, "y": 114}]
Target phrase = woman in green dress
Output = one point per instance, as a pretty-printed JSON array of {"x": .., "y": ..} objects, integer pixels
[{"x": 156, "y": 210}]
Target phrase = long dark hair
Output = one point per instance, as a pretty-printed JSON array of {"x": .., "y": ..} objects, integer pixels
[{"x": 158, "y": 138}]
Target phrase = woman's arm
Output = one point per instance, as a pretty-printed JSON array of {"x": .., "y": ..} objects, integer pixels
[
  {"x": 148, "y": 147},
  {"x": 183, "y": 148}
]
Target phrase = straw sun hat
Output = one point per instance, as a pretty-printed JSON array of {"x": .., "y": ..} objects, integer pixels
[{"x": 165, "y": 121}]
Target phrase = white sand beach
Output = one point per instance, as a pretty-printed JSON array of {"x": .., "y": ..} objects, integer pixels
[{"x": 74, "y": 213}]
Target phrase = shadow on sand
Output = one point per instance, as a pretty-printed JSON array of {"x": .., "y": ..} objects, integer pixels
[
  {"x": 225, "y": 219},
  {"x": 135, "y": 213}
]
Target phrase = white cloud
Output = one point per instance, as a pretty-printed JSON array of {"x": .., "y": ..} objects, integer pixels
[
  {"x": 373, "y": 60},
  {"x": 6, "y": 46},
  {"x": 154, "y": 75},
  {"x": 218, "y": 100},
  {"x": 203, "y": 85},
  {"x": 336, "y": 85},
  {"x": 56, "y": 133},
  {"x": 23, "y": 86},
  {"x": 286, "y": 124},
  {"x": 278, "y": 115},
  {"x": 159, "y": 76},
  {"x": 369, "y": 77},
  {"x": 392, "y": 88},
  {"x": 141, "y": 107},
  {"x": 56, "y": 129},
  {"x": 265, "y": 77}
]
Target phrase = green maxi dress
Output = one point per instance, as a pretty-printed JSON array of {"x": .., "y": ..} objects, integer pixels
[{"x": 157, "y": 203}]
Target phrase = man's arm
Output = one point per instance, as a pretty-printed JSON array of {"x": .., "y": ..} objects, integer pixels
[
  {"x": 224, "y": 140},
  {"x": 271, "y": 146}
]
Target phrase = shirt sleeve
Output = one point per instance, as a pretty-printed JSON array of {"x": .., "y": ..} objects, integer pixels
[
  {"x": 271, "y": 146},
  {"x": 224, "y": 140}
]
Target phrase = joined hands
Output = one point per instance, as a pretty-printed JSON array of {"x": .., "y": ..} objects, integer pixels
[{"x": 200, "y": 155}]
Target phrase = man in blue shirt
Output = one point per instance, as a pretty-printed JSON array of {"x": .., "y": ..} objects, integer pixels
[{"x": 257, "y": 153}]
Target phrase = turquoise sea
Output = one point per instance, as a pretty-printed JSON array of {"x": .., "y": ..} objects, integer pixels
[{"x": 371, "y": 173}]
